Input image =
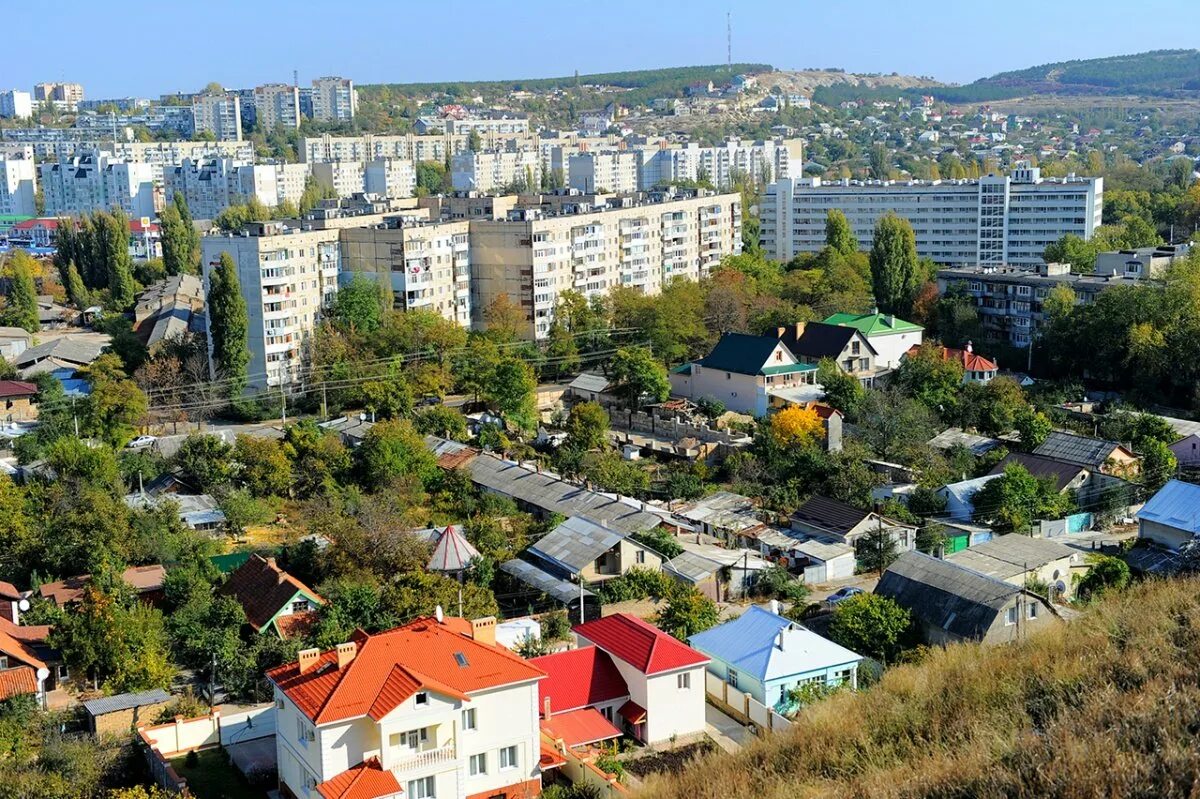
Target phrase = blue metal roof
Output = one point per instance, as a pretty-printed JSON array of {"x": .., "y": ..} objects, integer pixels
[{"x": 1177, "y": 504}]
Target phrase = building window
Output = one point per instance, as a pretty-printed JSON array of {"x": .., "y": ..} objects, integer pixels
[
  {"x": 607, "y": 712},
  {"x": 468, "y": 719},
  {"x": 63, "y": 673},
  {"x": 732, "y": 678},
  {"x": 300, "y": 606},
  {"x": 683, "y": 681},
  {"x": 508, "y": 757},
  {"x": 421, "y": 789},
  {"x": 729, "y": 375},
  {"x": 1011, "y": 616},
  {"x": 3, "y": 661},
  {"x": 1032, "y": 610},
  {"x": 640, "y": 557},
  {"x": 478, "y": 764},
  {"x": 421, "y": 699},
  {"x": 855, "y": 348}
]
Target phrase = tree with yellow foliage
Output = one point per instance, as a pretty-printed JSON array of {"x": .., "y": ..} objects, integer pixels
[{"x": 796, "y": 426}]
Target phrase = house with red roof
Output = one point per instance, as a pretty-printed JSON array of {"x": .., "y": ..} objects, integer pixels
[
  {"x": 976, "y": 368},
  {"x": 16, "y": 401},
  {"x": 274, "y": 601},
  {"x": 21, "y": 670},
  {"x": 628, "y": 674},
  {"x": 433, "y": 708}
]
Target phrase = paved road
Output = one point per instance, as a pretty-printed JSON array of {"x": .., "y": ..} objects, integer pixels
[{"x": 725, "y": 731}]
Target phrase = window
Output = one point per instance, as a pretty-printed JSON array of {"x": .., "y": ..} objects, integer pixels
[
  {"x": 478, "y": 764},
  {"x": 729, "y": 375},
  {"x": 640, "y": 557},
  {"x": 855, "y": 348},
  {"x": 1011, "y": 616},
  {"x": 607, "y": 712},
  {"x": 421, "y": 699},
  {"x": 683, "y": 681},
  {"x": 468, "y": 719},
  {"x": 421, "y": 789},
  {"x": 3, "y": 661},
  {"x": 1032, "y": 610},
  {"x": 732, "y": 678},
  {"x": 508, "y": 758},
  {"x": 300, "y": 606},
  {"x": 63, "y": 674}
]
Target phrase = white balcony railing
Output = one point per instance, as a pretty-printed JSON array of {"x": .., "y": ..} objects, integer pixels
[{"x": 424, "y": 760}]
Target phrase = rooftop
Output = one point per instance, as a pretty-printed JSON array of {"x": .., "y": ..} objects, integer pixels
[
  {"x": 580, "y": 727},
  {"x": 578, "y": 678},
  {"x": 1009, "y": 556},
  {"x": 1072, "y": 448},
  {"x": 873, "y": 324},
  {"x": 1061, "y": 473},
  {"x": 641, "y": 645},
  {"x": 752, "y": 643},
  {"x": 576, "y": 543},
  {"x": 263, "y": 589},
  {"x": 1176, "y": 504}
]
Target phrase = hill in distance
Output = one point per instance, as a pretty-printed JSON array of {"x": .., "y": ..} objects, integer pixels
[{"x": 1106, "y": 706}]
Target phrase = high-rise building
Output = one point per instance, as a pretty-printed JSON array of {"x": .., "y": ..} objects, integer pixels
[
  {"x": 68, "y": 95},
  {"x": 334, "y": 99},
  {"x": 996, "y": 220},
  {"x": 209, "y": 185},
  {"x": 277, "y": 105},
  {"x": 287, "y": 276},
  {"x": 271, "y": 184},
  {"x": 391, "y": 177},
  {"x": 490, "y": 171},
  {"x": 18, "y": 187},
  {"x": 606, "y": 171},
  {"x": 760, "y": 161},
  {"x": 219, "y": 114},
  {"x": 344, "y": 178},
  {"x": 97, "y": 181},
  {"x": 15, "y": 104}
]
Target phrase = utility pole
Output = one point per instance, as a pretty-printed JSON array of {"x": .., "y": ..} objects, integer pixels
[
  {"x": 729, "y": 42},
  {"x": 212, "y": 681},
  {"x": 75, "y": 417},
  {"x": 282, "y": 401},
  {"x": 324, "y": 403}
]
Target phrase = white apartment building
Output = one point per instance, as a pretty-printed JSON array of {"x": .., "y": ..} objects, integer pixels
[
  {"x": 344, "y": 177},
  {"x": 604, "y": 171},
  {"x": 492, "y": 170},
  {"x": 427, "y": 264},
  {"x": 97, "y": 181},
  {"x": 272, "y": 184},
  {"x": 218, "y": 114},
  {"x": 532, "y": 257},
  {"x": 209, "y": 185},
  {"x": 762, "y": 161},
  {"x": 1007, "y": 219},
  {"x": 288, "y": 276},
  {"x": 390, "y": 177},
  {"x": 15, "y": 104},
  {"x": 434, "y": 709},
  {"x": 482, "y": 125},
  {"x": 334, "y": 99},
  {"x": 18, "y": 187},
  {"x": 277, "y": 105}
]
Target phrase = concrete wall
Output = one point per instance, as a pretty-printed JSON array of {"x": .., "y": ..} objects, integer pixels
[
  {"x": 1163, "y": 535},
  {"x": 123, "y": 721},
  {"x": 743, "y": 707}
]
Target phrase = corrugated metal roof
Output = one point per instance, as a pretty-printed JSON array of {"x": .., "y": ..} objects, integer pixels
[
  {"x": 1071, "y": 448},
  {"x": 576, "y": 543},
  {"x": 562, "y": 590},
  {"x": 751, "y": 642},
  {"x": 963, "y": 602},
  {"x": 111, "y": 704},
  {"x": 589, "y": 381},
  {"x": 1008, "y": 556},
  {"x": 1177, "y": 504}
]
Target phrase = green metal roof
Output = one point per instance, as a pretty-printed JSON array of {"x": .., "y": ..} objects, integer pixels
[
  {"x": 873, "y": 324},
  {"x": 787, "y": 368},
  {"x": 227, "y": 563}
]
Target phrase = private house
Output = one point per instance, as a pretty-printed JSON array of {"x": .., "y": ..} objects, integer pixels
[
  {"x": 813, "y": 342},
  {"x": 1172, "y": 516},
  {"x": 16, "y": 401},
  {"x": 1022, "y": 559},
  {"x": 976, "y": 368},
  {"x": 13, "y": 602},
  {"x": 822, "y": 517},
  {"x": 742, "y": 371},
  {"x": 818, "y": 558},
  {"x": 591, "y": 387},
  {"x": 196, "y": 511},
  {"x": 1096, "y": 454},
  {"x": 66, "y": 352},
  {"x": 724, "y": 515},
  {"x": 720, "y": 574},
  {"x": 890, "y": 336},
  {"x": 274, "y": 601},
  {"x": 950, "y": 603},
  {"x": 22, "y": 672},
  {"x": 36, "y": 639},
  {"x": 582, "y": 696},
  {"x": 14, "y": 341},
  {"x": 1089, "y": 485},
  {"x": 953, "y": 437},
  {"x": 145, "y": 581},
  {"x": 959, "y": 496},
  {"x": 433, "y": 708},
  {"x": 1187, "y": 451},
  {"x": 768, "y": 656},
  {"x": 591, "y": 552}
]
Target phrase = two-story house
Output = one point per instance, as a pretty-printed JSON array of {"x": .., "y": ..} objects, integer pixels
[
  {"x": 889, "y": 335},
  {"x": 848, "y": 347},
  {"x": 434, "y": 709},
  {"x": 742, "y": 371},
  {"x": 274, "y": 601}
]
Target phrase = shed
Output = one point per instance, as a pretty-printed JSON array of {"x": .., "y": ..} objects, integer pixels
[
  {"x": 120, "y": 714},
  {"x": 1172, "y": 516}
]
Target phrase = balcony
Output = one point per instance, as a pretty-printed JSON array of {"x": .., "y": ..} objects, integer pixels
[{"x": 425, "y": 761}]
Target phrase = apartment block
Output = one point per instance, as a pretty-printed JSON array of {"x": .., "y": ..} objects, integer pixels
[
  {"x": 346, "y": 178},
  {"x": 491, "y": 124},
  {"x": 999, "y": 220},
  {"x": 276, "y": 105},
  {"x": 469, "y": 205},
  {"x": 18, "y": 187},
  {"x": 390, "y": 177},
  {"x": 272, "y": 184},
  {"x": 219, "y": 114},
  {"x": 288, "y": 276},
  {"x": 494, "y": 170},
  {"x": 69, "y": 93},
  {"x": 426, "y": 264},
  {"x": 761, "y": 161},
  {"x": 334, "y": 99},
  {"x": 209, "y": 185},
  {"x": 604, "y": 171},
  {"x": 15, "y": 104},
  {"x": 641, "y": 242},
  {"x": 97, "y": 181}
]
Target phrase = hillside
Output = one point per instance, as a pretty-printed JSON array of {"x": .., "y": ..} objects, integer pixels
[
  {"x": 1144, "y": 73},
  {"x": 1109, "y": 707}
]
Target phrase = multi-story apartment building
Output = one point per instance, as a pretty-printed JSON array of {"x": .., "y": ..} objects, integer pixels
[
  {"x": 1009, "y": 299},
  {"x": 433, "y": 709},
  {"x": 276, "y": 105},
  {"x": 218, "y": 114},
  {"x": 334, "y": 99},
  {"x": 761, "y": 161},
  {"x": 272, "y": 184},
  {"x": 209, "y": 185},
  {"x": 490, "y": 171},
  {"x": 18, "y": 187},
  {"x": 15, "y": 104},
  {"x": 469, "y": 205},
  {"x": 173, "y": 153},
  {"x": 97, "y": 181},
  {"x": 390, "y": 177},
  {"x": 641, "y": 242},
  {"x": 490, "y": 124},
  {"x": 288, "y": 276},
  {"x": 996, "y": 220},
  {"x": 426, "y": 264},
  {"x": 604, "y": 171},
  {"x": 345, "y": 178},
  {"x": 69, "y": 93}
]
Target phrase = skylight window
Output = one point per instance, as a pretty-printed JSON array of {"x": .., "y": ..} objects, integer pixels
[{"x": 461, "y": 660}]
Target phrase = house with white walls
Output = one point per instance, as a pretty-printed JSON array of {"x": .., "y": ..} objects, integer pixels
[
  {"x": 433, "y": 709},
  {"x": 742, "y": 371}
]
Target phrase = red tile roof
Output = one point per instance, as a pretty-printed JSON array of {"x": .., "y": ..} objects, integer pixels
[
  {"x": 641, "y": 645},
  {"x": 264, "y": 589},
  {"x": 26, "y": 633},
  {"x": 142, "y": 579},
  {"x": 580, "y": 727},
  {"x": 19, "y": 650},
  {"x": 632, "y": 712},
  {"x": 550, "y": 758},
  {"x": 971, "y": 361},
  {"x": 391, "y": 666},
  {"x": 50, "y": 223},
  {"x": 17, "y": 388},
  {"x": 296, "y": 625},
  {"x": 578, "y": 678},
  {"x": 15, "y": 682},
  {"x": 367, "y": 780},
  {"x": 9, "y": 591}
]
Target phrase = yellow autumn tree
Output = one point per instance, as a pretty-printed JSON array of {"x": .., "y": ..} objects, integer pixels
[{"x": 796, "y": 427}]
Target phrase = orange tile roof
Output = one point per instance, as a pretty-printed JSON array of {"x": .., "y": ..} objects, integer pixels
[
  {"x": 296, "y": 625},
  {"x": 19, "y": 650},
  {"x": 141, "y": 579},
  {"x": 632, "y": 712},
  {"x": 28, "y": 633},
  {"x": 9, "y": 591},
  {"x": 391, "y": 666},
  {"x": 971, "y": 361},
  {"x": 550, "y": 758},
  {"x": 580, "y": 727},
  {"x": 263, "y": 589},
  {"x": 15, "y": 682},
  {"x": 578, "y": 678},
  {"x": 367, "y": 780}
]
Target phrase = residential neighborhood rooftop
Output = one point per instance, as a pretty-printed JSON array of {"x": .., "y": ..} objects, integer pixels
[{"x": 641, "y": 645}]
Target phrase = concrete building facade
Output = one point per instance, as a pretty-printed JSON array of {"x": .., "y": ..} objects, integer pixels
[
  {"x": 97, "y": 182},
  {"x": 18, "y": 187},
  {"x": 494, "y": 170},
  {"x": 604, "y": 171},
  {"x": 15, "y": 104},
  {"x": 218, "y": 114},
  {"x": 276, "y": 105},
  {"x": 334, "y": 99},
  {"x": 390, "y": 177}
]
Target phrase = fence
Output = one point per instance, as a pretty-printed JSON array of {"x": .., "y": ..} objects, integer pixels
[
  {"x": 743, "y": 707},
  {"x": 163, "y": 742},
  {"x": 579, "y": 769},
  {"x": 1075, "y": 523}
]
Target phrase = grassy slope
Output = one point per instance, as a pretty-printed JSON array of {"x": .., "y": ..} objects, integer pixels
[
  {"x": 1164, "y": 70},
  {"x": 630, "y": 79},
  {"x": 1107, "y": 707}
]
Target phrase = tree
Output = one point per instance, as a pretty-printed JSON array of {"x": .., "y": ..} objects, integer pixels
[
  {"x": 205, "y": 462},
  {"x": 1106, "y": 573},
  {"x": 229, "y": 326},
  {"x": 843, "y": 391},
  {"x": 796, "y": 427},
  {"x": 638, "y": 374},
  {"x": 505, "y": 319},
  {"x": 876, "y": 549},
  {"x": 1012, "y": 502},
  {"x": 394, "y": 449},
  {"x": 22, "y": 308},
  {"x": 870, "y": 624},
  {"x": 687, "y": 612},
  {"x": 76, "y": 293},
  {"x": 610, "y": 472},
  {"x": 586, "y": 426},
  {"x": 931, "y": 538},
  {"x": 893, "y": 259},
  {"x": 895, "y": 426},
  {"x": 442, "y": 421},
  {"x": 431, "y": 178},
  {"x": 242, "y": 510},
  {"x": 263, "y": 467},
  {"x": 930, "y": 377},
  {"x": 115, "y": 404},
  {"x": 838, "y": 233},
  {"x": 1158, "y": 464},
  {"x": 113, "y": 238},
  {"x": 512, "y": 392},
  {"x": 388, "y": 397},
  {"x": 177, "y": 238},
  {"x": 1032, "y": 426},
  {"x": 357, "y": 306}
]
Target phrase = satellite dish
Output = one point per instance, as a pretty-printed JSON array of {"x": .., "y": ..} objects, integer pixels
[
  {"x": 23, "y": 605},
  {"x": 438, "y": 614},
  {"x": 43, "y": 674}
]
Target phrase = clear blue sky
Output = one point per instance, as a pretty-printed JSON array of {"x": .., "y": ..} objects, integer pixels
[{"x": 144, "y": 48}]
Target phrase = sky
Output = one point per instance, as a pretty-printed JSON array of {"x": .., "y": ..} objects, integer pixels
[{"x": 143, "y": 49}]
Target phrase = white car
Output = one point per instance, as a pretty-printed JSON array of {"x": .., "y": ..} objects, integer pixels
[{"x": 141, "y": 441}]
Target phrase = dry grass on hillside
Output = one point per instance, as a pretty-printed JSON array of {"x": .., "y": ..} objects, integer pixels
[{"x": 1108, "y": 706}]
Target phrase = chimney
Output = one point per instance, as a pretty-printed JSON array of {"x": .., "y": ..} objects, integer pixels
[
  {"x": 546, "y": 708},
  {"x": 799, "y": 329},
  {"x": 308, "y": 659},
  {"x": 346, "y": 653},
  {"x": 271, "y": 563},
  {"x": 775, "y": 606},
  {"x": 779, "y": 331},
  {"x": 970, "y": 347},
  {"x": 484, "y": 630}
]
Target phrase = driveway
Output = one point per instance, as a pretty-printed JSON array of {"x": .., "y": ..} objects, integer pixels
[{"x": 725, "y": 731}]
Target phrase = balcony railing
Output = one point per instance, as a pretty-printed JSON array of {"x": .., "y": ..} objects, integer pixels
[{"x": 424, "y": 760}]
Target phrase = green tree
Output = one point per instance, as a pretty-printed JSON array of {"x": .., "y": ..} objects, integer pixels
[
  {"x": 1073, "y": 250},
  {"x": 511, "y": 391},
  {"x": 687, "y": 612},
  {"x": 76, "y": 293},
  {"x": 357, "y": 306},
  {"x": 115, "y": 403},
  {"x": 893, "y": 259},
  {"x": 843, "y": 391},
  {"x": 838, "y": 233},
  {"x": 229, "y": 326},
  {"x": 1013, "y": 502},
  {"x": 638, "y": 374},
  {"x": 243, "y": 510},
  {"x": 870, "y": 624},
  {"x": 178, "y": 238},
  {"x": 1106, "y": 573},
  {"x": 113, "y": 233},
  {"x": 205, "y": 462},
  {"x": 931, "y": 538},
  {"x": 442, "y": 421},
  {"x": 388, "y": 397},
  {"x": 586, "y": 426},
  {"x": 931, "y": 378},
  {"x": 395, "y": 450},
  {"x": 262, "y": 466},
  {"x": 1158, "y": 464},
  {"x": 22, "y": 308},
  {"x": 1032, "y": 426},
  {"x": 431, "y": 178},
  {"x": 876, "y": 549}
]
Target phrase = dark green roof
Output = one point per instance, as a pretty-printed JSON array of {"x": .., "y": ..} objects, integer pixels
[{"x": 745, "y": 355}]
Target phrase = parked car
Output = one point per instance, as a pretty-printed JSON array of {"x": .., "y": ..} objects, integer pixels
[
  {"x": 842, "y": 594},
  {"x": 141, "y": 441}
]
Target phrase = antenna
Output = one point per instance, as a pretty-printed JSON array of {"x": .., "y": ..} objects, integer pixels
[
  {"x": 295, "y": 77},
  {"x": 729, "y": 41}
]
